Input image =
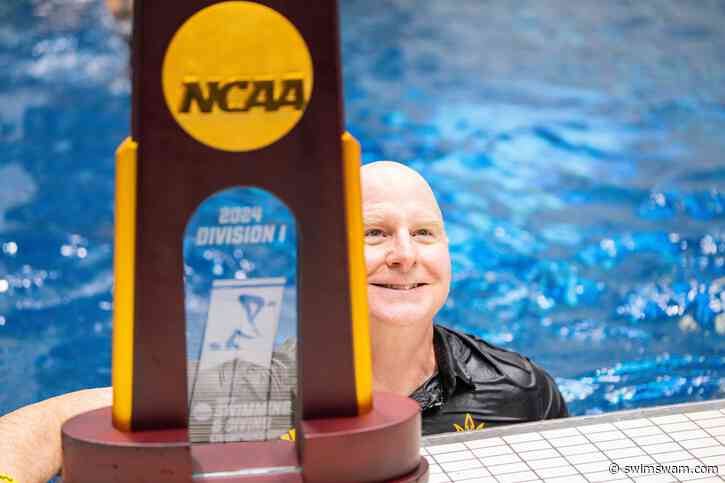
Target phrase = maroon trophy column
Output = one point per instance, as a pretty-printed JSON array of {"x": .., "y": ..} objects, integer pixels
[{"x": 230, "y": 94}]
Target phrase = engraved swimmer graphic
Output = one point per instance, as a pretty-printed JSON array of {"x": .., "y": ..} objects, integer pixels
[{"x": 252, "y": 305}]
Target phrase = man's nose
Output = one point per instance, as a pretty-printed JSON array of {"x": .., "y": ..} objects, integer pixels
[{"x": 402, "y": 254}]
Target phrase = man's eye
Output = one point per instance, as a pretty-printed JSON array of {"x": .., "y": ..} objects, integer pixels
[
  {"x": 374, "y": 232},
  {"x": 423, "y": 232}
]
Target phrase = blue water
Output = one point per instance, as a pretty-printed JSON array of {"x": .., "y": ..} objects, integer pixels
[{"x": 576, "y": 149}]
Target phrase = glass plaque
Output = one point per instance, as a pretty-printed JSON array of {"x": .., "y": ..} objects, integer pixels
[{"x": 240, "y": 266}]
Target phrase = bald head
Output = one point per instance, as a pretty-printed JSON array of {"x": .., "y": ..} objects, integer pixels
[{"x": 383, "y": 180}]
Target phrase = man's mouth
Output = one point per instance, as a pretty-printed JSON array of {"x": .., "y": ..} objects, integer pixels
[{"x": 395, "y": 286}]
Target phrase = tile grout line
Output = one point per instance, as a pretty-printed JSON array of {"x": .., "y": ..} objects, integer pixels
[{"x": 556, "y": 448}]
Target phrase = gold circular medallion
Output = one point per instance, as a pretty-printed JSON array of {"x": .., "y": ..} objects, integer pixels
[{"x": 237, "y": 76}]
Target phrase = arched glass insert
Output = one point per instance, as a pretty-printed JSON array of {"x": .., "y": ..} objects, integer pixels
[{"x": 240, "y": 274}]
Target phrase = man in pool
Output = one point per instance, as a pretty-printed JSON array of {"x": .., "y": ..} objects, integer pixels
[{"x": 460, "y": 381}]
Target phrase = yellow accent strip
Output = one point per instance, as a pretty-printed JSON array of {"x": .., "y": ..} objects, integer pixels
[
  {"x": 7, "y": 478},
  {"x": 123, "y": 292},
  {"x": 358, "y": 274}
]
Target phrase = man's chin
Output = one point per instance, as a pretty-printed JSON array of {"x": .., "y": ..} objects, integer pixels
[{"x": 402, "y": 318}]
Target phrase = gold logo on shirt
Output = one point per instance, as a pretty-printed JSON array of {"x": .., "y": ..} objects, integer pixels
[{"x": 469, "y": 425}]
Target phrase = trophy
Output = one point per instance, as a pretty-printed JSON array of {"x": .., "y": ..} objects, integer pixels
[{"x": 241, "y": 347}]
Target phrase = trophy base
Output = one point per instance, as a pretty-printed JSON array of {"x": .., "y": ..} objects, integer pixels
[{"x": 380, "y": 446}]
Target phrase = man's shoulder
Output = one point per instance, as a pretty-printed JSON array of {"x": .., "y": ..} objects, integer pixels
[
  {"x": 501, "y": 382},
  {"x": 484, "y": 362}
]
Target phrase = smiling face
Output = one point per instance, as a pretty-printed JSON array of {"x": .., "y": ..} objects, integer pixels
[{"x": 406, "y": 248}]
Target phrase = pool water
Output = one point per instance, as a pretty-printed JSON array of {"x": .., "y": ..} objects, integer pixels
[{"x": 576, "y": 150}]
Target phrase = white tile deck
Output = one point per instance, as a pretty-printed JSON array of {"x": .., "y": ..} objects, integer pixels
[{"x": 583, "y": 449}]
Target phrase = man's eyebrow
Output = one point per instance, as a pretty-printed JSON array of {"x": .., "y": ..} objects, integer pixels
[
  {"x": 372, "y": 218},
  {"x": 430, "y": 223}
]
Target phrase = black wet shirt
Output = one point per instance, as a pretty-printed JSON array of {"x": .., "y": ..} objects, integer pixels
[{"x": 478, "y": 385}]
